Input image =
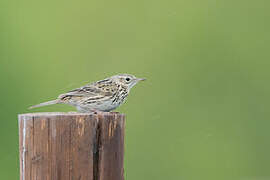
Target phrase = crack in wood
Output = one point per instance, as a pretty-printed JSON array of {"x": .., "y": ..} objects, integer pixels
[{"x": 96, "y": 149}]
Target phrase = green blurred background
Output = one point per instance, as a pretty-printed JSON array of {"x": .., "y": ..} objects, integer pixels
[{"x": 202, "y": 114}]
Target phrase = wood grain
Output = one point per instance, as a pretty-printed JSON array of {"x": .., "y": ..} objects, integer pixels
[{"x": 71, "y": 146}]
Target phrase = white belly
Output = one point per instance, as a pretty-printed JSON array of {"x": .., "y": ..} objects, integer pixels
[{"x": 104, "y": 106}]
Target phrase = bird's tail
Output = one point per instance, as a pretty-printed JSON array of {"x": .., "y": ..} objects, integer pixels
[{"x": 56, "y": 101}]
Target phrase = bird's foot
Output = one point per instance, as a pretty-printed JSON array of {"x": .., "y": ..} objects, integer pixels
[{"x": 96, "y": 111}]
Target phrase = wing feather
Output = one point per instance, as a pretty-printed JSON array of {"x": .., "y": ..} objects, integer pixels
[{"x": 89, "y": 93}]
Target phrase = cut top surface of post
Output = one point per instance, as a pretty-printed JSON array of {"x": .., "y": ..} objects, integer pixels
[{"x": 69, "y": 114}]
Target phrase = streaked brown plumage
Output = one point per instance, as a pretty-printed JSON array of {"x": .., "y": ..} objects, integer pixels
[{"x": 103, "y": 95}]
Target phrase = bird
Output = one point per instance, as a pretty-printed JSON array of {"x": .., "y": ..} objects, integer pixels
[{"x": 100, "y": 96}]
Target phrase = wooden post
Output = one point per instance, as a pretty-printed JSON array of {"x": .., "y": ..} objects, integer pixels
[{"x": 71, "y": 146}]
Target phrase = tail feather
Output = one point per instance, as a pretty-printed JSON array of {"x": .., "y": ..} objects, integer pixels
[{"x": 56, "y": 101}]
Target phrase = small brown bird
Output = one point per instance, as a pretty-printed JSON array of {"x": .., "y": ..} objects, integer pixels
[{"x": 103, "y": 95}]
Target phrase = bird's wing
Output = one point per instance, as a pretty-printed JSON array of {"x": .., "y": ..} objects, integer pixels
[{"x": 90, "y": 92}]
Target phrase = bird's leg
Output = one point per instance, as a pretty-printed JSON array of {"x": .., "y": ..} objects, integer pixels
[{"x": 95, "y": 111}]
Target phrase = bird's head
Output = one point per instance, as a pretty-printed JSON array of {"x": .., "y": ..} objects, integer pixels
[{"x": 127, "y": 80}]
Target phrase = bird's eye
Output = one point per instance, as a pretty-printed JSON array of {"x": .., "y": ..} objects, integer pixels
[{"x": 127, "y": 79}]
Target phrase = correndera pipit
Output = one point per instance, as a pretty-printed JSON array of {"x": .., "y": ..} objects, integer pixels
[{"x": 104, "y": 95}]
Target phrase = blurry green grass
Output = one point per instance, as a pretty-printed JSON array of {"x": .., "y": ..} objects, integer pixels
[{"x": 201, "y": 114}]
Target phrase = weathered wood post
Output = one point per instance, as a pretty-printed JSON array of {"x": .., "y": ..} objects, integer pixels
[{"x": 71, "y": 146}]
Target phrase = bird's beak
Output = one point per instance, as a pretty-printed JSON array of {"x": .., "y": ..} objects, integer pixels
[{"x": 141, "y": 79}]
